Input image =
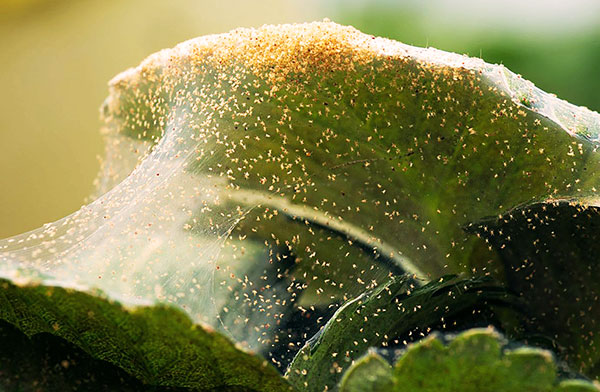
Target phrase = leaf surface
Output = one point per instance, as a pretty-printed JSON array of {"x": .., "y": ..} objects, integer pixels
[
  {"x": 475, "y": 360},
  {"x": 387, "y": 315},
  {"x": 157, "y": 345}
]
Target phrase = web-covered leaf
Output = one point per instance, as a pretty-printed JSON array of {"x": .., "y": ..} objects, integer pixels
[
  {"x": 551, "y": 250},
  {"x": 388, "y": 316}
]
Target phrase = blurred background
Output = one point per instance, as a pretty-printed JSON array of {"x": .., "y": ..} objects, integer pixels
[{"x": 58, "y": 55}]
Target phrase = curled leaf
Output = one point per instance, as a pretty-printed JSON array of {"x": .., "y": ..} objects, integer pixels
[{"x": 388, "y": 316}]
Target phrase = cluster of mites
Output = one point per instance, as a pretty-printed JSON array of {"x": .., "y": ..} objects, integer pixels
[{"x": 381, "y": 145}]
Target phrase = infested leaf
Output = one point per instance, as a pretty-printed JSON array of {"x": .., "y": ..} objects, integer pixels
[
  {"x": 550, "y": 250},
  {"x": 387, "y": 315}
]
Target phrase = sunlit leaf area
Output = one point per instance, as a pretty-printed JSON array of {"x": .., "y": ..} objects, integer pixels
[{"x": 299, "y": 196}]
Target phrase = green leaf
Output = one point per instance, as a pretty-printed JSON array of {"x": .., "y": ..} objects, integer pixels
[
  {"x": 370, "y": 373},
  {"x": 354, "y": 156},
  {"x": 386, "y": 141},
  {"x": 383, "y": 316},
  {"x": 577, "y": 386},
  {"x": 551, "y": 253},
  {"x": 157, "y": 345},
  {"x": 476, "y": 360}
]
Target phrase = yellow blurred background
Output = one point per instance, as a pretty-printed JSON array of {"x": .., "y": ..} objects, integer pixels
[{"x": 58, "y": 55}]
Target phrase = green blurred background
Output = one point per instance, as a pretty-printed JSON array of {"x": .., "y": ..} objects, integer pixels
[{"x": 58, "y": 55}]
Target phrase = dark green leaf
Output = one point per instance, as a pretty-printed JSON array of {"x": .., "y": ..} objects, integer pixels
[
  {"x": 381, "y": 317},
  {"x": 157, "y": 345},
  {"x": 551, "y": 251}
]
